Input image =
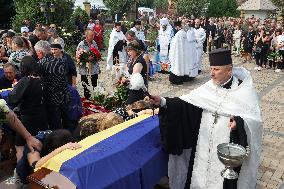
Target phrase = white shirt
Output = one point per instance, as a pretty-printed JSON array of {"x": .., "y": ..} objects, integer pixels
[
  {"x": 280, "y": 39},
  {"x": 91, "y": 26}
]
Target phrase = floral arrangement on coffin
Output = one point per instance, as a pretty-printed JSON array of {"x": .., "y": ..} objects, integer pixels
[
  {"x": 85, "y": 57},
  {"x": 110, "y": 101}
]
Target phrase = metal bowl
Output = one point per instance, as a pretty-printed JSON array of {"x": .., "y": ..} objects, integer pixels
[{"x": 231, "y": 155}]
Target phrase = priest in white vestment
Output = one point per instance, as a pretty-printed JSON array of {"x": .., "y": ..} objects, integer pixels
[
  {"x": 182, "y": 55},
  {"x": 165, "y": 36},
  {"x": 223, "y": 110},
  {"x": 116, "y": 51},
  {"x": 200, "y": 36}
]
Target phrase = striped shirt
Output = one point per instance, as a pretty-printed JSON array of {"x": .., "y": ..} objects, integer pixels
[{"x": 53, "y": 72}]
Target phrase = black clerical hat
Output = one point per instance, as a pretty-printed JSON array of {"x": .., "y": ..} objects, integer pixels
[
  {"x": 137, "y": 22},
  {"x": 117, "y": 24},
  {"x": 177, "y": 23},
  {"x": 220, "y": 57}
]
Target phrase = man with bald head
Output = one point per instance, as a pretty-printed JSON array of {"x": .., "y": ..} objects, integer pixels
[
  {"x": 223, "y": 110},
  {"x": 84, "y": 70}
]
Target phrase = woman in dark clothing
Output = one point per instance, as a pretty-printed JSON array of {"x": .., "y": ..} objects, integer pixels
[
  {"x": 137, "y": 64},
  {"x": 261, "y": 49},
  {"x": 248, "y": 43},
  {"x": 28, "y": 96}
]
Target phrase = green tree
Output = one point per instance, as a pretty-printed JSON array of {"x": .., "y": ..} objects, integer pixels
[
  {"x": 118, "y": 6},
  {"x": 219, "y": 8},
  {"x": 160, "y": 3},
  {"x": 69, "y": 24},
  {"x": 30, "y": 9},
  {"x": 146, "y": 3},
  {"x": 191, "y": 7},
  {"x": 280, "y": 5}
]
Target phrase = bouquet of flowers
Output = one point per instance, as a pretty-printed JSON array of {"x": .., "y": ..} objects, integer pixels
[
  {"x": 85, "y": 57},
  {"x": 274, "y": 56}
]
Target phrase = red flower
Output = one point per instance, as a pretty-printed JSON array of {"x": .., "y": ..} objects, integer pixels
[{"x": 96, "y": 52}]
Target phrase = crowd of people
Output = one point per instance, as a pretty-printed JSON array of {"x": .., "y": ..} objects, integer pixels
[{"x": 42, "y": 75}]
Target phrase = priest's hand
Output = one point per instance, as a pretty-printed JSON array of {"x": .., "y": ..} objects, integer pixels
[
  {"x": 232, "y": 124},
  {"x": 156, "y": 100}
]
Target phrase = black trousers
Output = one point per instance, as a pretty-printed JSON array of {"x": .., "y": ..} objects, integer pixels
[
  {"x": 261, "y": 58},
  {"x": 94, "y": 79},
  {"x": 281, "y": 65},
  {"x": 59, "y": 116}
]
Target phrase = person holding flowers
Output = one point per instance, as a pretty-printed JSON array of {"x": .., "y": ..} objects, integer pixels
[{"x": 87, "y": 56}]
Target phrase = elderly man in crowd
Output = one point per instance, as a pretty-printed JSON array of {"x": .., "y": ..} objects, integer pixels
[
  {"x": 10, "y": 76},
  {"x": 57, "y": 97}
]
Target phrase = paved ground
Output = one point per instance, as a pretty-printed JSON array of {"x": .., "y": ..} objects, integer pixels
[{"x": 270, "y": 87}]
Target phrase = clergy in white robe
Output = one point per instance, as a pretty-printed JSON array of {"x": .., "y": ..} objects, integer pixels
[
  {"x": 237, "y": 40},
  {"x": 223, "y": 110},
  {"x": 139, "y": 33},
  {"x": 182, "y": 56},
  {"x": 116, "y": 51},
  {"x": 200, "y": 36},
  {"x": 165, "y": 36}
]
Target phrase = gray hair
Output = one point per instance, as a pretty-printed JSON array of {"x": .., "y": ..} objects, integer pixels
[{"x": 43, "y": 46}]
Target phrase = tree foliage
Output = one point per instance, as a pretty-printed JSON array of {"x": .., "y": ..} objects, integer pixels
[
  {"x": 160, "y": 3},
  {"x": 118, "y": 6},
  {"x": 69, "y": 24},
  {"x": 191, "y": 7},
  {"x": 219, "y": 8},
  {"x": 30, "y": 9},
  {"x": 280, "y": 5}
]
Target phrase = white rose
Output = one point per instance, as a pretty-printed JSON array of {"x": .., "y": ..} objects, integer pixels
[{"x": 3, "y": 106}]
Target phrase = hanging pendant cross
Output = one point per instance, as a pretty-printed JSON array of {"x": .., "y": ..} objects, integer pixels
[{"x": 216, "y": 117}]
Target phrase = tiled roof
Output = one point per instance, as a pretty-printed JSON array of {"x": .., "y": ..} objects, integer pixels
[{"x": 257, "y": 5}]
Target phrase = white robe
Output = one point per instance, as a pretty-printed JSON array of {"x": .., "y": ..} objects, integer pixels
[
  {"x": 182, "y": 55},
  {"x": 241, "y": 100},
  {"x": 192, "y": 61},
  {"x": 237, "y": 38},
  {"x": 164, "y": 39},
  {"x": 114, "y": 38},
  {"x": 200, "y": 36},
  {"x": 139, "y": 34}
]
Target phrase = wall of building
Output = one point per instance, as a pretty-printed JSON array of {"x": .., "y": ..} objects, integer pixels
[{"x": 257, "y": 14}]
